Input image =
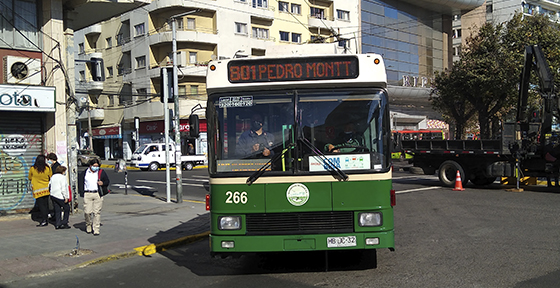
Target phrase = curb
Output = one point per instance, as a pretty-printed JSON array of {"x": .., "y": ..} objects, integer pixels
[{"x": 154, "y": 248}]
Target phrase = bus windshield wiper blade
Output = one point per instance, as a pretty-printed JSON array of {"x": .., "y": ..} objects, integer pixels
[
  {"x": 267, "y": 165},
  {"x": 326, "y": 161}
]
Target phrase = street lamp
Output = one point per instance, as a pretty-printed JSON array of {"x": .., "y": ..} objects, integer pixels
[{"x": 178, "y": 164}]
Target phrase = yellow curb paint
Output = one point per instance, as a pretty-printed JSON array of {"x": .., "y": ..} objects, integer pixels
[{"x": 154, "y": 248}]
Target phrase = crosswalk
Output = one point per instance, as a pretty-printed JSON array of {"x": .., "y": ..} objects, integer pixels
[{"x": 200, "y": 182}]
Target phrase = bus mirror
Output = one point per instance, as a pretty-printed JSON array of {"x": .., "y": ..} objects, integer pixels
[{"x": 193, "y": 126}]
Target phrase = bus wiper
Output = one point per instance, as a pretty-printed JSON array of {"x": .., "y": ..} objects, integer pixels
[
  {"x": 326, "y": 161},
  {"x": 267, "y": 165}
]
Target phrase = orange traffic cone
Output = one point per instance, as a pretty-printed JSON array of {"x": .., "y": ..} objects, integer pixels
[{"x": 458, "y": 183}]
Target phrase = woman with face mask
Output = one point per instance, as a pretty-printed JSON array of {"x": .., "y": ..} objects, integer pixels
[
  {"x": 90, "y": 184},
  {"x": 60, "y": 197}
]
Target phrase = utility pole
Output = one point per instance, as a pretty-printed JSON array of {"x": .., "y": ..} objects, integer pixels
[
  {"x": 165, "y": 91},
  {"x": 178, "y": 163},
  {"x": 90, "y": 134}
]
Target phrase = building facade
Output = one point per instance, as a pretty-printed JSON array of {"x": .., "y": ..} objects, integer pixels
[
  {"x": 36, "y": 92},
  {"x": 135, "y": 46}
]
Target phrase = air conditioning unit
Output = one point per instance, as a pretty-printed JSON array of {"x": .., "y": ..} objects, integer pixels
[
  {"x": 22, "y": 70},
  {"x": 181, "y": 59}
]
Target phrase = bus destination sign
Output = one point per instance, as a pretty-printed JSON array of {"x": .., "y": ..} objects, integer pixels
[{"x": 293, "y": 69}]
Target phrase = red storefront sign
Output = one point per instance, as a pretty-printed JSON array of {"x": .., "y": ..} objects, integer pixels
[
  {"x": 151, "y": 127},
  {"x": 107, "y": 132}
]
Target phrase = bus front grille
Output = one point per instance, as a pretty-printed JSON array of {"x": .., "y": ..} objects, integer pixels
[{"x": 300, "y": 223}]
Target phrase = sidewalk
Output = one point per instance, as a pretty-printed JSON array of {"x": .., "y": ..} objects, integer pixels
[{"x": 131, "y": 225}]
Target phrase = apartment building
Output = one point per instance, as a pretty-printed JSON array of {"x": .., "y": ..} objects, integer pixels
[
  {"x": 36, "y": 91},
  {"x": 120, "y": 59}
]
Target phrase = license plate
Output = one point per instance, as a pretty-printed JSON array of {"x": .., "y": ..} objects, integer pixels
[{"x": 346, "y": 241}]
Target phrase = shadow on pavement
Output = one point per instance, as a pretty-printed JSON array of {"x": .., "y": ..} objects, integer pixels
[{"x": 196, "y": 256}]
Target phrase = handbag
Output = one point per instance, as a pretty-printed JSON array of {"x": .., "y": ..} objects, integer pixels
[{"x": 104, "y": 189}]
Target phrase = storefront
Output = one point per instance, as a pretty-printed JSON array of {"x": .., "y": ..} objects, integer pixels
[
  {"x": 107, "y": 142},
  {"x": 23, "y": 114},
  {"x": 153, "y": 131}
]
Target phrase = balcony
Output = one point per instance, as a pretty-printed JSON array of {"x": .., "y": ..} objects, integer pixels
[
  {"x": 320, "y": 21},
  {"x": 94, "y": 87},
  {"x": 96, "y": 114},
  {"x": 199, "y": 35},
  {"x": 89, "y": 12},
  {"x": 188, "y": 70},
  {"x": 93, "y": 30}
]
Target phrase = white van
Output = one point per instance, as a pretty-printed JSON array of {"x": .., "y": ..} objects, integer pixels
[{"x": 151, "y": 157}]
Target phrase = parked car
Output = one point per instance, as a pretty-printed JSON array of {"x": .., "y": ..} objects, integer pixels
[{"x": 85, "y": 155}]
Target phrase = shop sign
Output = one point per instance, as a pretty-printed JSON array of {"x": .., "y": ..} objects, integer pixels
[
  {"x": 27, "y": 98},
  {"x": 107, "y": 133}
]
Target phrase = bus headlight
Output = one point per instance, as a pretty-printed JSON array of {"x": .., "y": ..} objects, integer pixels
[
  {"x": 229, "y": 222},
  {"x": 370, "y": 219}
]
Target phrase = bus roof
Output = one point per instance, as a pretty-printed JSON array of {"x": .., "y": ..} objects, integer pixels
[{"x": 258, "y": 73}]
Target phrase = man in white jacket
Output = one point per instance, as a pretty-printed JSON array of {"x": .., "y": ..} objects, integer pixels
[{"x": 60, "y": 197}]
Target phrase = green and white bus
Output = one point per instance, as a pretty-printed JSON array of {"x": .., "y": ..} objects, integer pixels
[{"x": 300, "y": 195}]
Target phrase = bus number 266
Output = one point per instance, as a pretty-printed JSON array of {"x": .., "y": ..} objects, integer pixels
[{"x": 236, "y": 197}]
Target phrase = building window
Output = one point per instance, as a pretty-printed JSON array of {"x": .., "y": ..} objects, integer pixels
[
  {"x": 120, "y": 69},
  {"x": 194, "y": 90},
  {"x": 180, "y": 24},
  {"x": 120, "y": 39},
  {"x": 318, "y": 13},
  {"x": 142, "y": 93},
  {"x": 296, "y": 9},
  {"x": 296, "y": 37},
  {"x": 456, "y": 33},
  {"x": 342, "y": 43},
  {"x": 260, "y": 33},
  {"x": 81, "y": 48},
  {"x": 283, "y": 6},
  {"x": 182, "y": 91},
  {"x": 260, "y": 3},
  {"x": 193, "y": 57},
  {"x": 139, "y": 29},
  {"x": 109, "y": 42},
  {"x": 140, "y": 62},
  {"x": 240, "y": 28},
  {"x": 191, "y": 24},
  {"x": 456, "y": 50},
  {"x": 109, "y": 71},
  {"x": 343, "y": 15},
  {"x": 82, "y": 76},
  {"x": 284, "y": 36},
  {"x": 19, "y": 24}
]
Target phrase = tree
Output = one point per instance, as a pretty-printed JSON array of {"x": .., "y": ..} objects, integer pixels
[{"x": 486, "y": 77}]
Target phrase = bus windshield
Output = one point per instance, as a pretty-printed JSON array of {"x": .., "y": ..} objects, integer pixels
[{"x": 303, "y": 131}]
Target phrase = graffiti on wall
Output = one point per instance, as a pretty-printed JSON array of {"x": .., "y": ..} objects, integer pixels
[{"x": 16, "y": 158}]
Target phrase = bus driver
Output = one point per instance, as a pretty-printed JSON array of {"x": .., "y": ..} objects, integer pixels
[{"x": 255, "y": 142}]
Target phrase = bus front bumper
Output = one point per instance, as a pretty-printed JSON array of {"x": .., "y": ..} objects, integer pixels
[{"x": 315, "y": 242}]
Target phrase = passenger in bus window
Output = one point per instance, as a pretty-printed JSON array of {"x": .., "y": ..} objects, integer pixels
[
  {"x": 347, "y": 141},
  {"x": 255, "y": 142}
]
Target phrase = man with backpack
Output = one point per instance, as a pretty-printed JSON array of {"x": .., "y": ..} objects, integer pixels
[{"x": 93, "y": 184}]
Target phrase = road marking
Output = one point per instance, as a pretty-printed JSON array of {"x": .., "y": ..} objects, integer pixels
[
  {"x": 419, "y": 176},
  {"x": 417, "y": 189},
  {"x": 173, "y": 182},
  {"x": 200, "y": 176}
]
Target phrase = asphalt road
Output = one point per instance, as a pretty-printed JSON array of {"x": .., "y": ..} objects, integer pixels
[
  {"x": 474, "y": 238},
  {"x": 153, "y": 183}
]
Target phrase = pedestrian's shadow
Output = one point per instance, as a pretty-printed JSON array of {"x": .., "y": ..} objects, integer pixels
[{"x": 196, "y": 256}]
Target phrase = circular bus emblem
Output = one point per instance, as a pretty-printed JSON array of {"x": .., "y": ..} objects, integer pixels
[{"x": 297, "y": 194}]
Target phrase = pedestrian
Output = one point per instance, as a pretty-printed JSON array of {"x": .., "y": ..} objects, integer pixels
[
  {"x": 60, "y": 197},
  {"x": 39, "y": 175},
  {"x": 52, "y": 161},
  {"x": 91, "y": 183}
]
